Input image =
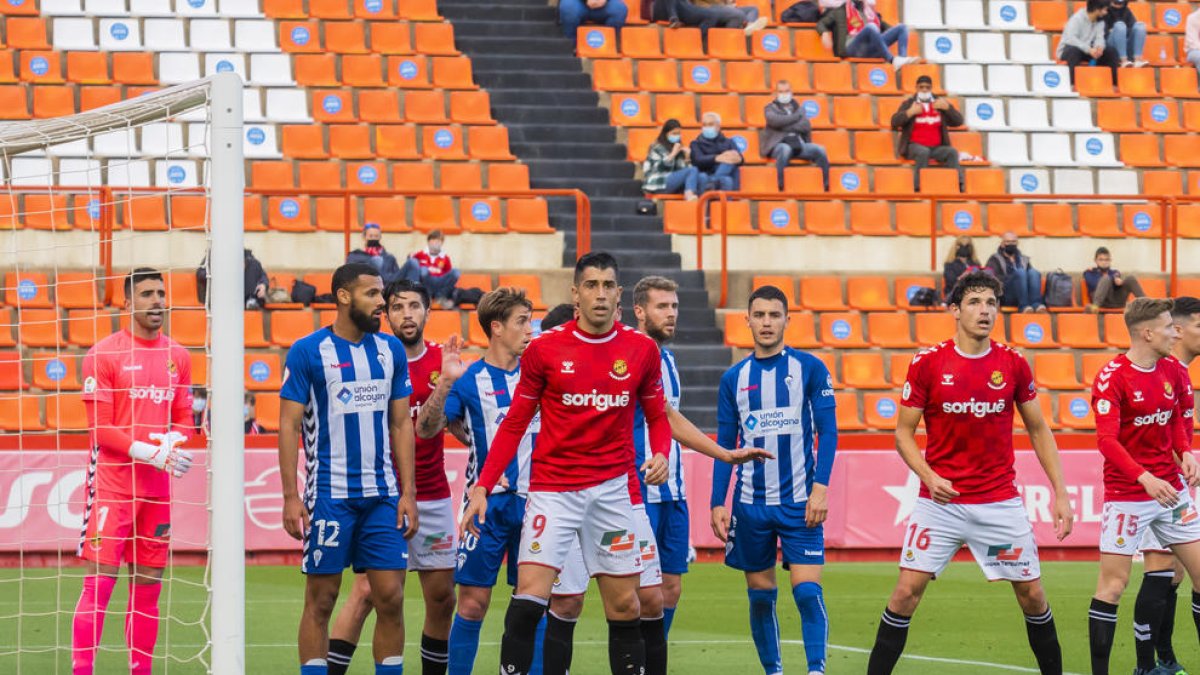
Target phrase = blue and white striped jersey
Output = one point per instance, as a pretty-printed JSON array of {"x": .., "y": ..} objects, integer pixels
[
  {"x": 481, "y": 398},
  {"x": 346, "y": 389},
  {"x": 772, "y": 403},
  {"x": 673, "y": 489}
]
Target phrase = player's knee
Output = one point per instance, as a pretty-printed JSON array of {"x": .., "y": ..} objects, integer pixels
[
  {"x": 440, "y": 601},
  {"x": 1110, "y": 587},
  {"x": 472, "y": 606},
  {"x": 567, "y": 607},
  {"x": 651, "y": 602},
  {"x": 1031, "y": 597},
  {"x": 623, "y": 606},
  {"x": 671, "y": 590},
  {"x": 905, "y": 599},
  {"x": 320, "y": 601},
  {"x": 389, "y": 606}
]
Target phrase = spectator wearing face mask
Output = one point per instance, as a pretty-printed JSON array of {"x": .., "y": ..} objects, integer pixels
[
  {"x": 855, "y": 30},
  {"x": 924, "y": 122},
  {"x": 1107, "y": 288},
  {"x": 249, "y": 415},
  {"x": 667, "y": 169},
  {"x": 373, "y": 253},
  {"x": 715, "y": 156},
  {"x": 960, "y": 260},
  {"x": 1083, "y": 40},
  {"x": 431, "y": 267},
  {"x": 788, "y": 134},
  {"x": 1022, "y": 283}
]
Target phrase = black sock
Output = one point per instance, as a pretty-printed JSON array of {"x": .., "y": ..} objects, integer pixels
[
  {"x": 1147, "y": 615},
  {"x": 1043, "y": 640},
  {"x": 889, "y": 643},
  {"x": 1166, "y": 629},
  {"x": 520, "y": 628},
  {"x": 626, "y": 651},
  {"x": 558, "y": 645},
  {"x": 340, "y": 653},
  {"x": 1196, "y": 610},
  {"x": 1102, "y": 626},
  {"x": 654, "y": 635},
  {"x": 435, "y": 655}
]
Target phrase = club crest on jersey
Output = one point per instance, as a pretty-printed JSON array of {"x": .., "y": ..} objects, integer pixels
[
  {"x": 89, "y": 385},
  {"x": 909, "y": 556},
  {"x": 433, "y": 378},
  {"x": 535, "y": 548},
  {"x": 620, "y": 370},
  {"x": 172, "y": 368},
  {"x": 997, "y": 380},
  {"x": 317, "y": 555},
  {"x": 1168, "y": 390}
]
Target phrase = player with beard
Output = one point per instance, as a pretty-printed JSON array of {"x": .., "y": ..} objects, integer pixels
[
  {"x": 431, "y": 553},
  {"x": 346, "y": 387}
]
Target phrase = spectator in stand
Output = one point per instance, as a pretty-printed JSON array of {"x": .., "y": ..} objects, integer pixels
[
  {"x": 827, "y": 5},
  {"x": 557, "y": 316},
  {"x": 788, "y": 134},
  {"x": 431, "y": 267},
  {"x": 1191, "y": 38},
  {"x": 1022, "y": 283},
  {"x": 924, "y": 122},
  {"x": 1083, "y": 40},
  {"x": 855, "y": 30},
  {"x": 199, "y": 406},
  {"x": 705, "y": 14},
  {"x": 960, "y": 260},
  {"x": 1125, "y": 34},
  {"x": 573, "y": 13},
  {"x": 374, "y": 254},
  {"x": 1107, "y": 288},
  {"x": 249, "y": 415},
  {"x": 715, "y": 156},
  {"x": 667, "y": 169}
]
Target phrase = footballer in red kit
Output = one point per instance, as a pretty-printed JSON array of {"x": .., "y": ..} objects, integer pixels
[
  {"x": 587, "y": 376},
  {"x": 967, "y": 390},
  {"x": 1139, "y": 399}
]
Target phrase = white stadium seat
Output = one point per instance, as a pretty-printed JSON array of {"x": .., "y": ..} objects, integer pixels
[
  {"x": 1029, "y": 182},
  {"x": 985, "y": 114},
  {"x": 209, "y": 35},
  {"x": 74, "y": 34},
  {"x": 986, "y": 48},
  {"x": 1073, "y": 182},
  {"x": 79, "y": 171},
  {"x": 1051, "y": 149},
  {"x": 1118, "y": 182},
  {"x": 260, "y": 142},
  {"x": 149, "y": 8},
  {"x": 176, "y": 173},
  {"x": 105, "y": 8},
  {"x": 1095, "y": 150},
  {"x": 118, "y": 143},
  {"x": 1007, "y": 79},
  {"x": 965, "y": 14},
  {"x": 287, "y": 105},
  {"x": 32, "y": 171},
  {"x": 1028, "y": 114},
  {"x": 161, "y": 138},
  {"x": 923, "y": 13},
  {"x": 965, "y": 79},
  {"x": 254, "y": 36},
  {"x": 174, "y": 67},
  {"x": 78, "y": 148},
  {"x": 165, "y": 35},
  {"x": 1008, "y": 15},
  {"x": 1008, "y": 149},
  {"x": 942, "y": 47},
  {"x": 117, "y": 35},
  {"x": 238, "y": 9},
  {"x": 133, "y": 173},
  {"x": 271, "y": 70},
  {"x": 197, "y": 139},
  {"x": 1053, "y": 80},
  {"x": 225, "y": 63},
  {"x": 61, "y": 8},
  {"x": 1072, "y": 114},
  {"x": 199, "y": 7},
  {"x": 1029, "y": 48}
]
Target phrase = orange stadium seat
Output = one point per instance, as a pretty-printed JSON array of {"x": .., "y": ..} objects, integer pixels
[
  {"x": 1079, "y": 331},
  {"x": 934, "y": 328},
  {"x": 1117, "y": 115},
  {"x": 641, "y": 42},
  {"x": 613, "y": 75},
  {"x": 55, "y": 372},
  {"x": 489, "y": 143},
  {"x": 27, "y": 289},
  {"x": 1044, "y": 404},
  {"x": 12, "y": 377},
  {"x": 889, "y": 180},
  {"x": 461, "y": 177},
  {"x": 727, "y": 44},
  {"x": 1003, "y": 217},
  {"x": 262, "y": 371},
  {"x": 821, "y": 293},
  {"x": 39, "y": 328},
  {"x": 876, "y": 78},
  {"x": 1178, "y": 82},
  {"x": 442, "y": 143},
  {"x": 1098, "y": 220},
  {"x": 408, "y": 72},
  {"x": 760, "y": 179},
  {"x": 426, "y": 107},
  {"x": 1160, "y": 116},
  {"x": 481, "y": 215},
  {"x": 871, "y": 218},
  {"x": 532, "y": 284},
  {"x": 809, "y": 48},
  {"x": 1183, "y": 151},
  {"x": 1139, "y": 82},
  {"x": 508, "y": 177},
  {"x": 7, "y": 322},
  {"x": 1140, "y": 150},
  {"x": 848, "y": 417},
  {"x": 878, "y": 148},
  {"x": 683, "y": 43},
  {"x": 898, "y": 367},
  {"x": 266, "y": 409},
  {"x": 890, "y": 330},
  {"x": 86, "y": 327},
  {"x": 882, "y": 410},
  {"x": 596, "y": 42},
  {"x": 1056, "y": 371},
  {"x": 1188, "y": 220},
  {"x": 396, "y": 141},
  {"x": 387, "y": 212},
  {"x": 868, "y": 294},
  {"x": 436, "y": 39},
  {"x": 1031, "y": 331},
  {"x": 854, "y": 112},
  {"x": 199, "y": 361},
  {"x": 419, "y": 10},
  {"x": 287, "y": 326},
  {"x": 842, "y": 329},
  {"x": 680, "y": 217},
  {"x": 1094, "y": 81},
  {"x": 1115, "y": 332},
  {"x": 833, "y": 78},
  {"x": 864, "y": 370},
  {"x": 75, "y": 290},
  {"x": 737, "y": 332},
  {"x": 253, "y": 329},
  {"x": 20, "y": 413},
  {"x": 1170, "y": 16},
  {"x": 961, "y": 218},
  {"x": 471, "y": 107},
  {"x": 784, "y": 283},
  {"x": 1053, "y": 220},
  {"x": 316, "y": 70},
  {"x": 914, "y": 218},
  {"x": 772, "y": 44},
  {"x": 986, "y": 182},
  {"x": 350, "y": 141},
  {"x": 86, "y": 67},
  {"x": 1048, "y": 15},
  {"x": 778, "y": 218},
  {"x": 795, "y": 73},
  {"x": 1093, "y": 363},
  {"x": 26, "y": 33},
  {"x": 53, "y": 102},
  {"x": 1075, "y": 412},
  {"x": 701, "y": 76},
  {"x": 801, "y": 330},
  {"x": 431, "y": 212},
  {"x": 46, "y": 212},
  {"x": 413, "y": 176},
  {"x": 389, "y": 37}
]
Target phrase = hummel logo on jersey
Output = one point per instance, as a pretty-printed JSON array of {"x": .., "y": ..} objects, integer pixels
[
  {"x": 1137, "y": 397},
  {"x": 1159, "y": 417},
  {"x": 948, "y": 378},
  {"x": 600, "y": 402},
  {"x": 979, "y": 409},
  {"x": 132, "y": 368},
  {"x": 568, "y": 367},
  {"x": 750, "y": 388}
]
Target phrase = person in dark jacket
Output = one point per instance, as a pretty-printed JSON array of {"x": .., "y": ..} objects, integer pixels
[
  {"x": 373, "y": 254},
  {"x": 705, "y": 14},
  {"x": 715, "y": 156},
  {"x": 788, "y": 134},
  {"x": 924, "y": 122},
  {"x": 1124, "y": 33},
  {"x": 855, "y": 30},
  {"x": 1022, "y": 283},
  {"x": 960, "y": 260},
  {"x": 1107, "y": 288},
  {"x": 667, "y": 169},
  {"x": 254, "y": 281}
]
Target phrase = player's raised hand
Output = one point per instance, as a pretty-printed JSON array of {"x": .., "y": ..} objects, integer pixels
[
  {"x": 476, "y": 509},
  {"x": 1159, "y": 490},
  {"x": 720, "y": 522},
  {"x": 1190, "y": 468},
  {"x": 295, "y": 517},
  {"x": 940, "y": 489},
  {"x": 656, "y": 470},
  {"x": 406, "y": 516},
  {"x": 817, "y": 507},
  {"x": 452, "y": 365},
  {"x": 743, "y": 455},
  {"x": 1064, "y": 516}
]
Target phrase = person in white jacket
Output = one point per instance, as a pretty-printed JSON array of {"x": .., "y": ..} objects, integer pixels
[{"x": 1083, "y": 40}]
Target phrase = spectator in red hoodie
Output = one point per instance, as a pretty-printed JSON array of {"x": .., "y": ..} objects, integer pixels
[{"x": 431, "y": 267}]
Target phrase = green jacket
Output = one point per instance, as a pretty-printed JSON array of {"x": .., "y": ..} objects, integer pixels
[{"x": 657, "y": 167}]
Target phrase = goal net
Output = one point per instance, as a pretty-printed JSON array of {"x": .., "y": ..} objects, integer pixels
[{"x": 153, "y": 181}]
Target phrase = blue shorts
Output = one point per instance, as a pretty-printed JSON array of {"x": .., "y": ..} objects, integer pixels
[
  {"x": 757, "y": 531},
  {"x": 671, "y": 526},
  {"x": 359, "y": 532},
  {"x": 479, "y": 558}
]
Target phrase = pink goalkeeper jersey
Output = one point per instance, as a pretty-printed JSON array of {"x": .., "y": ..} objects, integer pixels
[{"x": 148, "y": 385}]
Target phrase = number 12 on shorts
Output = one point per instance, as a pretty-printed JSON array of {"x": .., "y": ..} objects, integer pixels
[{"x": 327, "y": 532}]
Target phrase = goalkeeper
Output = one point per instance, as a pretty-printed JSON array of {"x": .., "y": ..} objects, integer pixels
[{"x": 137, "y": 390}]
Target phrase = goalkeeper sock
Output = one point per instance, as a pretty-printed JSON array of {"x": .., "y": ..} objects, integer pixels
[
  {"x": 1043, "y": 640},
  {"x": 814, "y": 622},
  {"x": 764, "y": 628},
  {"x": 314, "y": 667},
  {"x": 668, "y": 618},
  {"x": 1102, "y": 626},
  {"x": 141, "y": 626},
  {"x": 520, "y": 630},
  {"x": 88, "y": 623},
  {"x": 539, "y": 648},
  {"x": 889, "y": 642},
  {"x": 1166, "y": 627},
  {"x": 654, "y": 638},
  {"x": 392, "y": 665},
  {"x": 340, "y": 653},
  {"x": 464, "y": 644},
  {"x": 434, "y": 655},
  {"x": 560, "y": 637},
  {"x": 626, "y": 651},
  {"x": 1147, "y": 615}
]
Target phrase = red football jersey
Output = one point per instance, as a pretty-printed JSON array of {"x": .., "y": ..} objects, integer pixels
[
  {"x": 437, "y": 265},
  {"x": 587, "y": 387},
  {"x": 968, "y": 403},
  {"x": 423, "y": 371},
  {"x": 1186, "y": 420},
  {"x": 147, "y": 386},
  {"x": 1137, "y": 424}
]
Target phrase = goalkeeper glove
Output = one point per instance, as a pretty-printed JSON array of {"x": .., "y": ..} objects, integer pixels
[{"x": 166, "y": 455}]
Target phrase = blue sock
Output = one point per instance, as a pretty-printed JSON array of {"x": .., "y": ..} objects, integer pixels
[
  {"x": 464, "y": 643},
  {"x": 535, "y": 668},
  {"x": 322, "y": 669},
  {"x": 391, "y": 668},
  {"x": 764, "y": 628},
  {"x": 668, "y": 617},
  {"x": 814, "y": 622}
]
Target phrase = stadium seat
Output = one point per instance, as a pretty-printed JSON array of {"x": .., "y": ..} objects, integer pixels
[
  {"x": 55, "y": 371},
  {"x": 784, "y": 283},
  {"x": 266, "y": 411},
  {"x": 1094, "y": 81},
  {"x": 842, "y": 330},
  {"x": 1093, "y": 363},
  {"x": 471, "y": 107},
  {"x": 801, "y": 330},
  {"x": 394, "y": 141},
  {"x": 189, "y": 327},
  {"x": 933, "y": 328},
  {"x": 1115, "y": 332},
  {"x": 961, "y": 218},
  {"x": 27, "y": 290},
  {"x": 1098, "y": 220},
  {"x": 287, "y": 326},
  {"x": 86, "y": 327},
  {"x": 898, "y": 364},
  {"x": 262, "y": 371},
  {"x": 682, "y": 43},
  {"x": 1183, "y": 151},
  {"x": 1056, "y": 371},
  {"x": 20, "y": 413},
  {"x": 1045, "y": 405},
  {"x": 871, "y": 218},
  {"x": 641, "y": 42},
  {"x": 905, "y": 286},
  {"x": 1075, "y": 412},
  {"x": 737, "y": 332},
  {"x": 1053, "y": 220},
  {"x": 1031, "y": 331},
  {"x": 890, "y": 330},
  {"x": 7, "y": 321},
  {"x": 727, "y": 44},
  {"x": 1140, "y": 150},
  {"x": 864, "y": 370},
  {"x": 771, "y": 45},
  {"x": 532, "y": 284},
  {"x": 882, "y": 410},
  {"x": 1178, "y": 82},
  {"x": 778, "y": 218},
  {"x": 848, "y": 416},
  {"x": 253, "y": 329},
  {"x": 1004, "y": 217},
  {"x": 12, "y": 377},
  {"x": 868, "y": 294}
]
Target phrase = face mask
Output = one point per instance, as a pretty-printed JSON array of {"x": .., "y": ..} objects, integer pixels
[
  {"x": 198, "y": 404},
  {"x": 925, "y": 96},
  {"x": 784, "y": 98},
  {"x": 710, "y": 132},
  {"x": 246, "y": 412},
  {"x": 964, "y": 251},
  {"x": 434, "y": 250},
  {"x": 674, "y": 138},
  {"x": 374, "y": 245},
  {"x": 1010, "y": 249}
]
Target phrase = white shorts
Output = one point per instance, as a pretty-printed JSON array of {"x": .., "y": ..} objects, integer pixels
[
  {"x": 1125, "y": 526},
  {"x": 574, "y": 577},
  {"x": 598, "y": 519},
  {"x": 433, "y": 546},
  {"x": 999, "y": 536}
]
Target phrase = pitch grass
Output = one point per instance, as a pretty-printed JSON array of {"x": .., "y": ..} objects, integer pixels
[{"x": 962, "y": 618}]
